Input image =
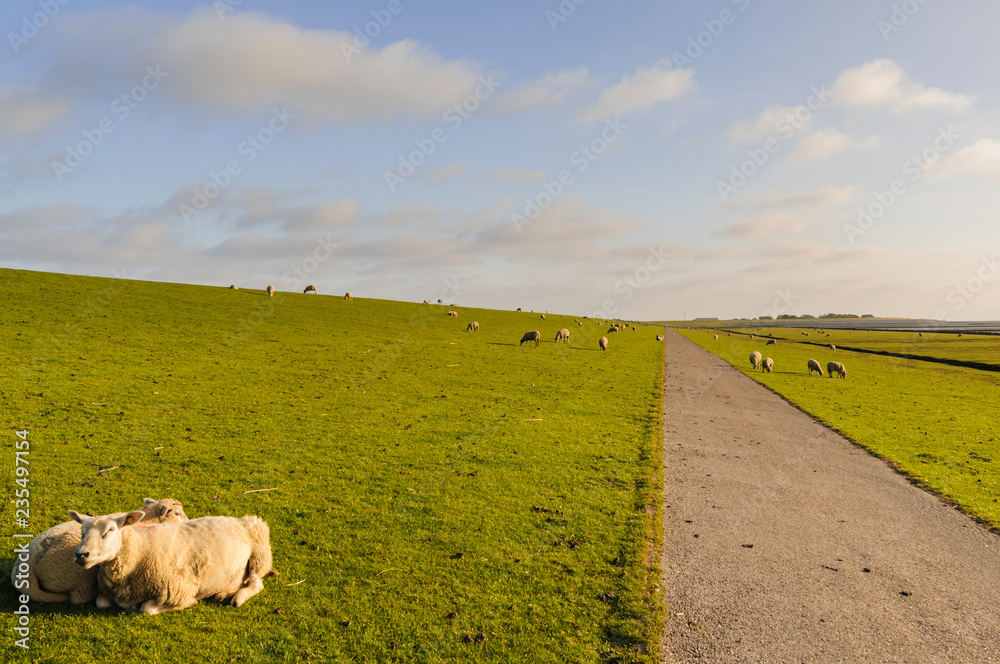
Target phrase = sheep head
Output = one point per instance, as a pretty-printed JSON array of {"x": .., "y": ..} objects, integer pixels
[
  {"x": 101, "y": 537},
  {"x": 164, "y": 510}
]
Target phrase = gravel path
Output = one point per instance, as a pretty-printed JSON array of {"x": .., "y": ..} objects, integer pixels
[{"x": 783, "y": 542}]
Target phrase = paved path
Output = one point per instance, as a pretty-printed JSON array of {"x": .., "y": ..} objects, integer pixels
[{"x": 783, "y": 542}]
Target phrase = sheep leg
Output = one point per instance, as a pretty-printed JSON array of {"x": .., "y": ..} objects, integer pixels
[
  {"x": 104, "y": 602},
  {"x": 151, "y": 607},
  {"x": 251, "y": 586}
]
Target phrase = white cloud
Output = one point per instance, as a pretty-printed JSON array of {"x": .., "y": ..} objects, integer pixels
[
  {"x": 884, "y": 84},
  {"x": 450, "y": 172},
  {"x": 549, "y": 91},
  {"x": 648, "y": 86},
  {"x": 981, "y": 159},
  {"x": 828, "y": 142},
  {"x": 515, "y": 176},
  {"x": 768, "y": 124},
  {"x": 823, "y": 197},
  {"x": 324, "y": 216},
  {"x": 24, "y": 110}
]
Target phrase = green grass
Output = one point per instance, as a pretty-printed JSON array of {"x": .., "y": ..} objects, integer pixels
[
  {"x": 936, "y": 423},
  {"x": 417, "y": 470}
]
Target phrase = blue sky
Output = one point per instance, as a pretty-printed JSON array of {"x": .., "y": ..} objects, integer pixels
[{"x": 639, "y": 160}]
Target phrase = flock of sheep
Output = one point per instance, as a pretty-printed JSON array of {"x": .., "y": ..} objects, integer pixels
[
  {"x": 766, "y": 364},
  {"x": 152, "y": 560}
]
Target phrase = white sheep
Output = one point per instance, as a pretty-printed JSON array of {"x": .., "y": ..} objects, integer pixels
[
  {"x": 51, "y": 575},
  {"x": 767, "y": 365},
  {"x": 234, "y": 287},
  {"x": 715, "y": 338},
  {"x": 311, "y": 288},
  {"x": 534, "y": 335},
  {"x": 659, "y": 337},
  {"x": 349, "y": 295},
  {"x": 543, "y": 316},
  {"x": 833, "y": 348},
  {"x": 473, "y": 327},
  {"x": 813, "y": 365},
  {"x": 613, "y": 328},
  {"x": 519, "y": 308},
  {"x": 604, "y": 343},
  {"x": 562, "y": 335},
  {"x": 453, "y": 314},
  {"x": 755, "y": 358},
  {"x": 427, "y": 301},
  {"x": 170, "y": 566},
  {"x": 771, "y": 342},
  {"x": 270, "y": 290},
  {"x": 836, "y": 368}
]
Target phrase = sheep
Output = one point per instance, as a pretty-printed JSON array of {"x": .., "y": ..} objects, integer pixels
[
  {"x": 349, "y": 295},
  {"x": 562, "y": 335},
  {"x": 543, "y": 316},
  {"x": 771, "y": 342},
  {"x": 51, "y": 575},
  {"x": 813, "y": 365},
  {"x": 233, "y": 287},
  {"x": 534, "y": 335},
  {"x": 755, "y": 358},
  {"x": 427, "y": 301},
  {"x": 613, "y": 328},
  {"x": 453, "y": 313},
  {"x": 310, "y": 289},
  {"x": 715, "y": 338},
  {"x": 833, "y": 348},
  {"x": 473, "y": 327},
  {"x": 270, "y": 290},
  {"x": 603, "y": 343},
  {"x": 959, "y": 334},
  {"x": 767, "y": 365},
  {"x": 836, "y": 368},
  {"x": 440, "y": 301},
  {"x": 170, "y": 566},
  {"x": 519, "y": 308},
  {"x": 751, "y": 337},
  {"x": 659, "y": 337},
  {"x": 729, "y": 334},
  {"x": 579, "y": 324}
]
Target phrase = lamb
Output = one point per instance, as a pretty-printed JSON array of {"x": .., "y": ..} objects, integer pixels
[
  {"x": 51, "y": 575},
  {"x": 768, "y": 365},
  {"x": 310, "y": 289},
  {"x": 814, "y": 366},
  {"x": 170, "y": 566},
  {"x": 836, "y": 368},
  {"x": 473, "y": 327},
  {"x": 562, "y": 335},
  {"x": 833, "y": 348},
  {"x": 349, "y": 295},
  {"x": 604, "y": 343},
  {"x": 270, "y": 290},
  {"x": 453, "y": 313},
  {"x": 771, "y": 342},
  {"x": 755, "y": 358}
]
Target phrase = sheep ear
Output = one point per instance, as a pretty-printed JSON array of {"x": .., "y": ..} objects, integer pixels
[
  {"x": 148, "y": 501},
  {"x": 131, "y": 518},
  {"x": 73, "y": 514}
]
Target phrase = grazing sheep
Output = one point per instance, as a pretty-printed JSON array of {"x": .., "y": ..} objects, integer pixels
[
  {"x": 519, "y": 308},
  {"x": 613, "y": 328},
  {"x": 771, "y": 342},
  {"x": 473, "y": 327},
  {"x": 51, "y": 575},
  {"x": 833, "y": 348},
  {"x": 427, "y": 301},
  {"x": 603, "y": 343},
  {"x": 755, "y": 358},
  {"x": 170, "y": 566},
  {"x": 921, "y": 333},
  {"x": 659, "y": 337},
  {"x": 579, "y": 324},
  {"x": 440, "y": 301},
  {"x": 729, "y": 334},
  {"x": 534, "y": 335},
  {"x": 959, "y": 334},
  {"x": 751, "y": 337},
  {"x": 310, "y": 289},
  {"x": 813, "y": 365},
  {"x": 543, "y": 316},
  {"x": 836, "y": 368},
  {"x": 349, "y": 295},
  {"x": 767, "y": 365},
  {"x": 234, "y": 287},
  {"x": 562, "y": 335},
  {"x": 453, "y": 313},
  {"x": 270, "y": 290},
  {"x": 715, "y": 338}
]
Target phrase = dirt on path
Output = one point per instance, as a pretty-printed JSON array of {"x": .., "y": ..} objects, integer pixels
[{"x": 784, "y": 542}]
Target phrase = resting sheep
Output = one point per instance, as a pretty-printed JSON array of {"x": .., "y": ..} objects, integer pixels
[
  {"x": 453, "y": 313},
  {"x": 310, "y": 289},
  {"x": 659, "y": 337},
  {"x": 755, "y": 358},
  {"x": 836, "y": 368},
  {"x": 767, "y": 365},
  {"x": 234, "y": 287},
  {"x": 349, "y": 295},
  {"x": 813, "y": 365},
  {"x": 562, "y": 335},
  {"x": 604, "y": 343},
  {"x": 534, "y": 335},
  {"x": 51, "y": 575},
  {"x": 270, "y": 290},
  {"x": 170, "y": 566},
  {"x": 473, "y": 327}
]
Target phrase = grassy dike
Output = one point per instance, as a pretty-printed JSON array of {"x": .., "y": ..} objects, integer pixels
[
  {"x": 934, "y": 422},
  {"x": 441, "y": 496}
]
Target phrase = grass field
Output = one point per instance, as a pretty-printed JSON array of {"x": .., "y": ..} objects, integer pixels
[
  {"x": 426, "y": 485},
  {"x": 934, "y": 422}
]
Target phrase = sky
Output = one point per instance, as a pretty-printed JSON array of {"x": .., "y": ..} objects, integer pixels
[{"x": 638, "y": 160}]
